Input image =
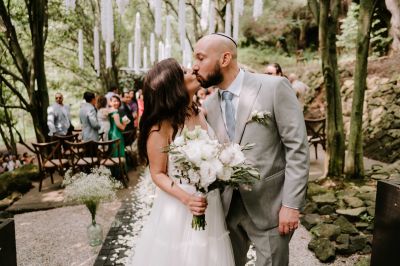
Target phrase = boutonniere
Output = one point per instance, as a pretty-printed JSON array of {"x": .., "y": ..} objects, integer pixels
[{"x": 261, "y": 117}]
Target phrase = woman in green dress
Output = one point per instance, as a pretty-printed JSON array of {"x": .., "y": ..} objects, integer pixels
[{"x": 117, "y": 125}]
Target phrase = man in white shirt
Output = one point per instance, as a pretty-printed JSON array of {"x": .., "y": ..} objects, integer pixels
[{"x": 59, "y": 117}]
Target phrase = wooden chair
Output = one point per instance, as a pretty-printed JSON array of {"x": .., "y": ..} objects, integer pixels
[
  {"x": 49, "y": 159},
  {"x": 316, "y": 133},
  {"x": 65, "y": 150},
  {"x": 129, "y": 139},
  {"x": 83, "y": 155},
  {"x": 105, "y": 151}
]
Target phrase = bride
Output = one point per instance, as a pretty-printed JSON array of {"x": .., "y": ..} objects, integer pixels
[{"x": 168, "y": 238}]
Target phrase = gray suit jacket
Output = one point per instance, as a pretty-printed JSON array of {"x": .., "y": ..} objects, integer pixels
[
  {"x": 281, "y": 148},
  {"x": 90, "y": 125},
  {"x": 58, "y": 119}
]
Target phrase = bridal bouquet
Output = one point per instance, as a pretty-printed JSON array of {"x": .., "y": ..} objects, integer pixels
[{"x": 207, "y": 165}]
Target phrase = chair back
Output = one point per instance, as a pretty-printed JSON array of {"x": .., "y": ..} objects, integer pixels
[
  {"x": 64, "y": 145},
  {"x": 81, "y": 153},
  {"x": 46, "y": 153},
  {"x": 316, "y": 129},
  {"x": 106, "y": 151},
  {"x": 129, "y": 137}
]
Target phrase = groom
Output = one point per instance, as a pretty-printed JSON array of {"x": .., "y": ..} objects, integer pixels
[{"x": 268, "y": 214}]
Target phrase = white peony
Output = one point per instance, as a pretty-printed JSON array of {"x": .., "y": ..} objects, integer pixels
[
  {"x": 232, "y": 155},
  {"x": 225, "y": 174},
  {"x": 193, "y": 151},
  {"x": 194, "y": 176},
  {"x": 179, "y": 141},
  {"x": 208, "y": 172}
]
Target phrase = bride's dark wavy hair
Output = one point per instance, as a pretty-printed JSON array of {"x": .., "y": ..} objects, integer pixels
[{"x": 165, "y": 100}]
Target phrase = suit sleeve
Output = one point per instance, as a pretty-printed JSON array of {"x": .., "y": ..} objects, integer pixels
[
  {"x": 50, "y": 120},
  {"x": 92, "y": 117},
  {"x": 292, "y": 130}
]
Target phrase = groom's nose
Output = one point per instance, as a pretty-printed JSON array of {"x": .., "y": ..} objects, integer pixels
[{"x": 195, "y": 68}]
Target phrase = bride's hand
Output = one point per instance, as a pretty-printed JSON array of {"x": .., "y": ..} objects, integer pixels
[{"x": 197, "y": 205}]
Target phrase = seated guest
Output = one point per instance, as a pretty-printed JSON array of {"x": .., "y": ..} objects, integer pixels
[
  {"x": 27, "y": 159},
  {"x": 88, "y": 118}
]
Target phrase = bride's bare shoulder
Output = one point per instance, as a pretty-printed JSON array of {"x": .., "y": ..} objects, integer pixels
[{"x": 163, "y": 130}]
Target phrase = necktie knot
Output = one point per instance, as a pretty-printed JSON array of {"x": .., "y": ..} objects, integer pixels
[{"x": 227, "y": 95}]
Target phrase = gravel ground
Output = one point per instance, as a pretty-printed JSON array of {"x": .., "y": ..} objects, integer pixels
[{"x": 58, "y": 236}]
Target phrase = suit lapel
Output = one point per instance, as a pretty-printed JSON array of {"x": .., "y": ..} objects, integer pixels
[
  {"x": 248, "y": 95},
  {"x": 215, "y": 118}
]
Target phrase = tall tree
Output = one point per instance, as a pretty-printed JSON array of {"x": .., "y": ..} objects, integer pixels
[
  {"x": 28, "y": 67},
  {"x": 354, "y": 159},
  {"x": 326, "y": 13}
]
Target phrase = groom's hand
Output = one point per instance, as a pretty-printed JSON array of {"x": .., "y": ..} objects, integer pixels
[
  {"x": 288, "y": 220},
  {"x": 197, "y": 205}
]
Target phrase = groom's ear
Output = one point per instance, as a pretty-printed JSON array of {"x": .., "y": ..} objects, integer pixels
[{"x": 226, "y": 59}]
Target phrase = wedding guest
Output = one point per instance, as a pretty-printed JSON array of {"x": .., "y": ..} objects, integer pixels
[
  {"x": 299, "y": 87},
  {"x": 102, "y": 116},
  {"x": 117, "y": 126},
  {"x": 111, "y": 92},
  {"x": 273, "y": 69},
  {"x": 27, "y": 159},
  {"x": 140, "y": 104},
  {"x": 88, "y": 118},
  {"x": 59, "y": 117},
  {"x": 125, "y": 111}
]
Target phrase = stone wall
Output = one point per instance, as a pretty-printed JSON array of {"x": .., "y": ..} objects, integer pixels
[{"x": 381, "y": 115}]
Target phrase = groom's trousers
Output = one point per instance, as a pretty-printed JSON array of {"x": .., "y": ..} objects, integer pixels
[{"x": 272, "y": 249}]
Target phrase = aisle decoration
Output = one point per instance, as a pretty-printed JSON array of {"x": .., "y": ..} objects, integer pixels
[
  {"x": 152, "y": 49},
  {"x": 137, "y": 54},
  {"x": 80, "y": 48},
  {"x": 257, "y": 9},
  {"x": 208, "y": 165},
  {"x": 96, "y": 50},
  {"x": 91, "y": 189},
  {"x": 228, "y": 20},
  {"x": 107, "y": 28}
]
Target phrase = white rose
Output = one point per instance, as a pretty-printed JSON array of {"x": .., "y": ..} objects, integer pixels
[{"x": 225, "y": 174}]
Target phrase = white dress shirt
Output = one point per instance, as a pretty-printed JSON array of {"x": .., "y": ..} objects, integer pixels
[{"x": 235, "y": 88}]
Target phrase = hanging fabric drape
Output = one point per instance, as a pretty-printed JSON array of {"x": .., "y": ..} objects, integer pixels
[
  {"x": 107, "y": 28},
  {"x": 241, "y": 7},
  {"x": 122, "y": 4},
  {"x": 167, "y": 46},
  {"x": 187, "y": 55},
  {"x": 182, "y": 23},
  {"x": 145, "y": 58},
  {"x": 152, "y": 49},
  {"x": 69, "y": 4},
  {"x": 80, "y": 48},
  {"x": 96, "y": 49},
  {"x": 211, "y": 22},
  {"x": 228, "y": 19},
  {"x": 157, "y": 17},
  {"x": 160, "y": 51},
  {"x": 137, "y": 54},
  {"x": 257, "y": 9},
  {"x": 235, "y": 34},
  {"x": 205, "y": 9},
  {"x": 130, "y": 55}
]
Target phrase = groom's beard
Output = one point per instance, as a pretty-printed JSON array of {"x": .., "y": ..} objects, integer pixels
[{"x": 212, "y": 79}]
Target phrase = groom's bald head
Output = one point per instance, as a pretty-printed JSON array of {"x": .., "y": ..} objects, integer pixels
[{"x": 217, "y": 44}]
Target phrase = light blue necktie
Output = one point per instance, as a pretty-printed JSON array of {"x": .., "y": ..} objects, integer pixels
[{"x": 229, "y": 113}]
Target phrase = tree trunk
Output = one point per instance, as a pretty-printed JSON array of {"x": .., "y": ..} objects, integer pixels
[
  {"x": 394, "y": 7},
  {"x": 354, "y": 158},
  {"x": 328, "y": 19},
  {"x": 39, "y": 95}
]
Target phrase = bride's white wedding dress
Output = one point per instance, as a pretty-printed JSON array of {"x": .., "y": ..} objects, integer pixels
[{"x": 169, "y": 240}]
